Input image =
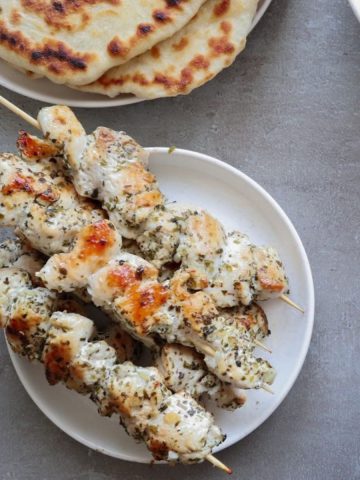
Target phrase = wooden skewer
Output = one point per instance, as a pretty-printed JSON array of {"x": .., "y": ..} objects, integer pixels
[
  {"x": 210, "y": 458},
  {"x": 25, "y": 116},
  {"x": 287, "y": 300},
  {"x": 268, "y": 389},
  {"x": 261, "y": 345},
  {"x": 206, "y": 349}
]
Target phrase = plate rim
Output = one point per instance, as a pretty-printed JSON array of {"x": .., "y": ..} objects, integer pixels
[
  {"x": 310, "y": 312},
  {"x": 100, "y": 101},
  {"x": 355, "y": 5}
]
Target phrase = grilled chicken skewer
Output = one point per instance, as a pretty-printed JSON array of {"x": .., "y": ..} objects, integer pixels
[
  {"x": 106, "y": 165},
  {"x": 173, "y": 426},
  {"x": 62, "y": 341},
  {"x": 227, "y": 266},
  {"x": 111, "y": 166},
  {"x": 127, "y": 288}
]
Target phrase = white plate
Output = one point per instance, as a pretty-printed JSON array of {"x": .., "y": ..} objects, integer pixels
[
  {"x": 239, "y": 203},
  {"x": 46, "y": 91},
  {"x": 355, "y": 4}
]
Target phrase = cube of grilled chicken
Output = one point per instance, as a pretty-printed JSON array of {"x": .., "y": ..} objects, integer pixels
[
  {"x": 128, "y": 289},
  {"x": 18, "y": 254},
  {"x": 89, "y": 366},
  {"x": 67, "y": 334},
  {"x": 106, "y": 165},
  {"x": 32, "y": 148},
  {"x": 247, "y": 273},
  {"x": 161, "y": 233},
  {"x": 182, "y": 430},
  {"x": 186, "y": 235},
  {"x": 108, "y": 347},
  {"x": 135, "y": 393},
  {"x": 143, "y": 299},
  {"x": 270, "y": 280},
  {"x": 234, "y": 361},
  {"x": 95, "y": 245},
  {"x": 25, "y": 312},
  {"x": 11, "y": 281},
  {"x": 41, "y": 204},
  {"x": 183, "y": 369},
  {"x": 251, "y": 317},
  {"x": 28, "y": 324}
]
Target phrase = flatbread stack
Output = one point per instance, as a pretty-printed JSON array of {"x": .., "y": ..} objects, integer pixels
[{"x": 149, "y": 48}]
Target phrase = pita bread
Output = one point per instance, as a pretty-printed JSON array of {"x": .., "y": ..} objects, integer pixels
[
  {"x": 76, "y": 41},
  {"x": 206, "y": 45}
]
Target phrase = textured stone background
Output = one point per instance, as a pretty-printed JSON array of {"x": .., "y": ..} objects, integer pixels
[{"x": 287, "y": 114}]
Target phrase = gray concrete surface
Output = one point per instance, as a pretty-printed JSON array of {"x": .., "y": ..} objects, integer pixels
[{"x": 287, "y": 114}]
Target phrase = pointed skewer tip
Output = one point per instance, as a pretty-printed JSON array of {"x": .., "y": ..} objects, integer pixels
[
  {"x": 267, "y": 388},
  {"x": 261, "y": 345},
  {"x": 210, "y": 458},
  {"x": 204, "y": 349},
  {"x": 287, "y": 300}
]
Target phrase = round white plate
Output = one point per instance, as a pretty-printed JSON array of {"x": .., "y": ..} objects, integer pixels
[
  {"x": 355, "y": 4},
  {"x": 239, "y": 203},
  {"x": 46, "y": 91}
]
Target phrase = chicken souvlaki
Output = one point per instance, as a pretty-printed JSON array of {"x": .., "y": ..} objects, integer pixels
[
  {"x": 111, "y": 167},
  {"x": 168, "y": 274},
  {"x": 127, "y": 288},
  {"x": 174, "y": 426},
  {"x": 49, "y": 228}
]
